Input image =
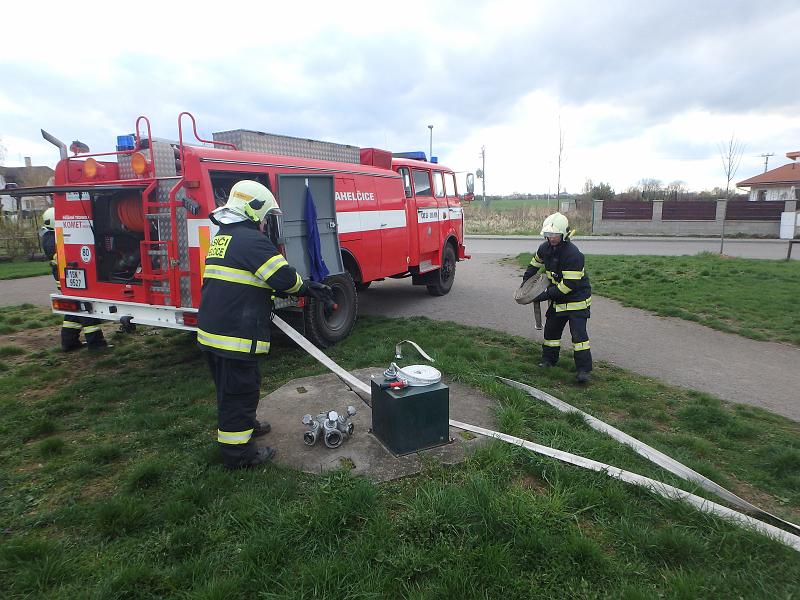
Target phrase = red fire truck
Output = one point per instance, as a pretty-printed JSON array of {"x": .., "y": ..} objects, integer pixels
[{"x": 132, "y": 226}]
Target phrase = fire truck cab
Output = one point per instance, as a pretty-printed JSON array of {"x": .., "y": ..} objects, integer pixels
[{"x": 133, "y": 228}]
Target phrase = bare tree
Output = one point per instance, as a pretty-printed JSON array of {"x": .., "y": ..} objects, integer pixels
[
  {"x": 649, "y": 184},
  {"x": 677, "y": 186},
  {"x": 588, "y": 184},
  {"x": 2, "y": 151},
  {"x": 731, "y": 155}
]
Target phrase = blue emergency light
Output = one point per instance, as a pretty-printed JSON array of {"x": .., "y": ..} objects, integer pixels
[
  {"x": 419, "y": 155},
  {"x": 435, "y": 160},
  {"x": 125, "y": 142}
]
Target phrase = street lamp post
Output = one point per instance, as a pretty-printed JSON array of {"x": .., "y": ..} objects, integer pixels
[{"x": 431, "y": 148}]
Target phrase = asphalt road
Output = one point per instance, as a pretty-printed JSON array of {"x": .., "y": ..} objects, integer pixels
[
  {"x": 674, "y": 351},
  {"x": 677, "y": 352},
  {"x": 28, "y": 290}
]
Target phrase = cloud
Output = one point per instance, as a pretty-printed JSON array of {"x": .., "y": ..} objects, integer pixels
[{"x": 640, "y": 87}]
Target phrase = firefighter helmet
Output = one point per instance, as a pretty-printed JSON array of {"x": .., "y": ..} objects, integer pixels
[
  {"x": 49, "y": 218},
  {"x": 556, "y": 224},
  {"x": 252, "y": 200}
]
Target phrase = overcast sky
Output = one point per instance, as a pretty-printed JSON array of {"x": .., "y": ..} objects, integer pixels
[{"x": 642, "y": 89}]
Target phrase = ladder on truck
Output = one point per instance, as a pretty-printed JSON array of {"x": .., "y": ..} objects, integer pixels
[
  {"x": 160, "y": 274},
  {"x": 161, "y": 257}
]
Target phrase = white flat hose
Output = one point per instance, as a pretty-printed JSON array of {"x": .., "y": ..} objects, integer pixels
[
  {"x": 662, "y": 489},
  {"x": 651, "y": 454},
  {"x": 399, "y": 354},
  {"x": 360, "y": 388},
  {"x": 667, "y": 491},
  {"x": 419, "y": 375}
]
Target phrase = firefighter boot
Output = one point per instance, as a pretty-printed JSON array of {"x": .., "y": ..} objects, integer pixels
[
  {"x": 99, "y": 347},
  {"x": 546, "y": 364},
  {"x": 261, "y": 428},
  {"x": 262, "y": 455},
  {"x": 582, "y": 377}
]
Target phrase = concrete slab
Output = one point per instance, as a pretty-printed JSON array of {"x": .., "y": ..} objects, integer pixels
[{"x": 285, "y": 407}]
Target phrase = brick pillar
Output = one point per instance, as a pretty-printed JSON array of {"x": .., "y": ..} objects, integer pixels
[
  {"x": 658, "y": 208},
  {"x": 721, "y": 205},
  {"x": 791, "y": 206},
  {"x": 597, "y": 213}
]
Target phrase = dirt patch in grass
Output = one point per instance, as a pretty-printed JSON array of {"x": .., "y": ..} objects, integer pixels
[
  {"x": 98, "y": 488},
  {"x": 530, "y": 482},
  {"x": 33, "y": 340},
  {"x": 763, "y": 500}
]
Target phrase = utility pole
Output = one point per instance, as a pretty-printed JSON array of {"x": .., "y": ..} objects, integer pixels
[
  {"x": 560, "y": 154},
  {"x": 430, "y": 157},
  {"x": 766, "y": 159},
  {"x": 483, "y": 171}
]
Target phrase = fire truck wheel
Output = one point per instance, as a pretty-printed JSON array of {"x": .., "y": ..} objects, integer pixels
[
  {"x": 363, "y": 286},
  {"x": 325, "y": 331},
  {"x": 446, "y": 274}
]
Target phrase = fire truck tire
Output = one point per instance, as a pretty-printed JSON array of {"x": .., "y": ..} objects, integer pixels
[
  {"x": 446, "y": 275},
  {"x": 325, "y": 331},
  {"x": 363, "y": 285}
]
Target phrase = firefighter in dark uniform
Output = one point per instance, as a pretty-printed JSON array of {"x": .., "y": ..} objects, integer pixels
[
  {"x": 569, "y": 294},
  {"x": 72, "y": 326},
  {"x": 243, "y": 270}
]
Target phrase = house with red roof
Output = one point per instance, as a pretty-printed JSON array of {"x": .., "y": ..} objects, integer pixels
[{"x": 779, "y": 184}]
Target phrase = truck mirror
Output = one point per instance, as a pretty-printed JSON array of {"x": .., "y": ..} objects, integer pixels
[{"x": 470, "y": 184}]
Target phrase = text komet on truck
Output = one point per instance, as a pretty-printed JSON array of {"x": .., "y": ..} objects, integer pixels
[{"x": 132, "y": 226}]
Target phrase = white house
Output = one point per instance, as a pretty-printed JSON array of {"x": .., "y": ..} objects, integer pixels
[{"x": 779, "y": 184}]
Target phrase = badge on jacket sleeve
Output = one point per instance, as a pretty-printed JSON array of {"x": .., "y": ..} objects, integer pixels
[{"x": 219, "y": 245}]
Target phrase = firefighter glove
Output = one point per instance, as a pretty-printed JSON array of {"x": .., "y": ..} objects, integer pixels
[
  {"x": 320, "y": 292},
  {"x": 545, "y": 295},
  {"x": 316, "y": 290},
  {"x": 530, "y": 273}
]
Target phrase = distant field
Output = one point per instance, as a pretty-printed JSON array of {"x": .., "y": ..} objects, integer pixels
[
  {"x": 518, "y": 217},
  {"x": 506, "y": 205}
]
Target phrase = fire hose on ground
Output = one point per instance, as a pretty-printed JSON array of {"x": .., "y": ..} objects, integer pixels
[{"x": 667, "y": 491}]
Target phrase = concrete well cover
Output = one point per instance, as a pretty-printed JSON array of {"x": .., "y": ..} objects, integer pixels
[{"x": 284, "y": 409}]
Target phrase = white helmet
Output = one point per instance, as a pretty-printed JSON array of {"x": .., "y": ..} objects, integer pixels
[
  {"x": 556, "y": 224},
  {"x": 49, "y": 218},
  {"x": 249, "y": 200}
]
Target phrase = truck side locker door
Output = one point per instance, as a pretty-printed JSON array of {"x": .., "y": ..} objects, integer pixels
[
  {"x": 427, "y": 219},
  {"x": 358, "y": 229},
  {"x": 394, "y": 229},
  {"x": 292, "y": 190}
]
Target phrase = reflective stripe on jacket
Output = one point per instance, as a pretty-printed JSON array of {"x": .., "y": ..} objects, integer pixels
[
  {"x": 242, "y": 271},
  {"x": 563, "y": 264}
]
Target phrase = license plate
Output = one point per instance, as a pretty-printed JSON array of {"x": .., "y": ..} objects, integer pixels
[{"x": 75, "y": 278}]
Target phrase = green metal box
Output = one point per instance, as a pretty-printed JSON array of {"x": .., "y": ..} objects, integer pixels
[{"x": 411, "y": 419}]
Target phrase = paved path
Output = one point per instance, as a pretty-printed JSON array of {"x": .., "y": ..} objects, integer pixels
[
  {"x": 30, "y": 290},
  {"x": 675, "y": 351}
]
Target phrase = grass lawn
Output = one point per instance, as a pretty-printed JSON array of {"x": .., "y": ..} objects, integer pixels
[
  {"x": 23, "y": 268},
  {"x": 110, "y": 485},
  {"x": 750, "y": 297},
  {"x": 26, "y": 316}
]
